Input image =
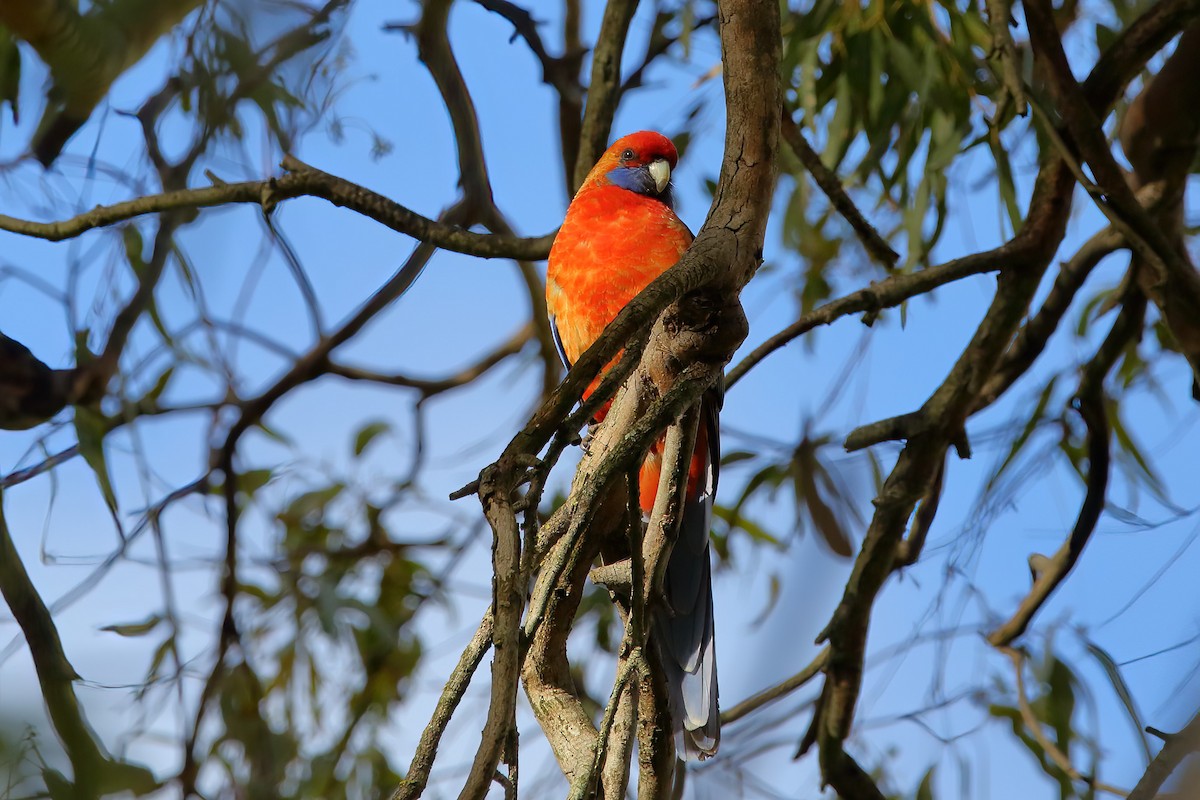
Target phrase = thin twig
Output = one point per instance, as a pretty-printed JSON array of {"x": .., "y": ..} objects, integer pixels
[
  {"x": 778, "y": 691},
  {"x": 417, "y": 777},
  {"x": 1178, "y": 746},
  {"x": 1034, "y": 726},
  {"x": 1090, "y": 403},
  {"x": 875, "y": 245}
]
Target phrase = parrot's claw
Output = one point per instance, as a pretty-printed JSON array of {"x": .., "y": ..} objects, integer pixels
[{"x": 585, "y": 443}]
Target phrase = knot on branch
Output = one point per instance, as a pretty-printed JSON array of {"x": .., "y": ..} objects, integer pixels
[
  {"x": 617, "y": 578},
  {"x": 702, "y": 328}
]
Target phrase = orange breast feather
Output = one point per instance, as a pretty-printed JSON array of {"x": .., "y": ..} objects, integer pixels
[{"x": 611, "y": 245}]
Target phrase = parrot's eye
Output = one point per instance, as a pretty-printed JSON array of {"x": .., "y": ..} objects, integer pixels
[{"x": 628, "y": 154}]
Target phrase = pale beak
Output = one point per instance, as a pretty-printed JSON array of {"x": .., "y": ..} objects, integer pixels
[{"x": 660, "y": 171}]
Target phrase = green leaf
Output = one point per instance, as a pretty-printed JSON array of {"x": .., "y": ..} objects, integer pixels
[
  {"x": 252, "y": 480},
  {"x": 925, "y": 789},
  {"x": 774, "y": 592},
  {"x": 248, "y": 482},
  {"x": 737, "y": 456},
  {"x": 278, "y": 436},
  {"x": 90, "y": 427},
  {"x": 310, "y": 504},
  {"x": 160, "y": 385},
  {"x": 133, "y": 629},
  {"x": 131, "y": 238},
  {"x": 1004, "y": 180},
  {"x": 367, "y": 433},
  {"x": 160, "y": 657},
  {"x": 735, "y": 519},
  {"x": 1127, "y": 445}
]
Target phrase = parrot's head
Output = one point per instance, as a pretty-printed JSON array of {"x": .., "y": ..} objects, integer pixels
[{"x": 640, "y": 162}]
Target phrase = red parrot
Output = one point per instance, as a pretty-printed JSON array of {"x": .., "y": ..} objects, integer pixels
[{"x": 620, "y": 233}]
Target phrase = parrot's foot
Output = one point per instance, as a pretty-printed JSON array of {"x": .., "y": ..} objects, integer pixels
[{"x": 585, "y": 443}]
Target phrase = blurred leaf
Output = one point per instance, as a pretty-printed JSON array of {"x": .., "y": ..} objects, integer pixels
[
  {"x": 1013, "y": 716},
  {"x": 807, "y": 473},
  {"x": 10, "y": 73},
  {"x": 737, "y": 456},
  {"x": 774, "y": 591},
  {"x": 310, "y": 504},
  {"x": 91, "y": 427},
  {"x": 925, "y": 789},
  {"x": 1113, "y": 672},
  {"x": 1031, "y": 425},
  {"x": 131, "y": 239},
  {"x": 367, "y": 433},
  {"x": 160, "y": 385},
  {"x": 734, "y": 519},
  {"x": 248, "y": 482},
  {"x": 135, "y": 628},
  {"x": 1057, "y": 705},
  {"x": 1004, "y": 179},
  {"x": 1105, "y": 36}
]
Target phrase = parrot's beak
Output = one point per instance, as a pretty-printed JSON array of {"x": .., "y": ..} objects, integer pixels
[{"x": 660, "y": 171}]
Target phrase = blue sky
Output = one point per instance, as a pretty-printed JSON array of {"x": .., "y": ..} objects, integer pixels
[{"x": 461, "y": 306}]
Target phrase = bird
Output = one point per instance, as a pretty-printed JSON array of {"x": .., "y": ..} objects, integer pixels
[{"x": 620, "y": 233}]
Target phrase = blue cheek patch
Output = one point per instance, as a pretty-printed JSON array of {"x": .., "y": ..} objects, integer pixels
[{"x": 637, "y": 179}]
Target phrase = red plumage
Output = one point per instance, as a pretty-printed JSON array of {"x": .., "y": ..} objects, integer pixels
[{"x": 620, "y": 233}]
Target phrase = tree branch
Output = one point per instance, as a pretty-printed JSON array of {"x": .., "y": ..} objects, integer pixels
[
  {"x": 93, "y": 769},
  {"x": 778, "y": 691},
  {"x": 417, "y": 777},
  {"x": 875, "y": 245},
  {"x": 604, "y": 86},
  {"x": 301, "y": 181},
  {"x": 1178, "y": 747},
  {"x": 1090, "y": 403}
]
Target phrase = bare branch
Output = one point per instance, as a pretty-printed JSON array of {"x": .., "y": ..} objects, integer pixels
[
  {"x": 604, "y": 87},
  {"x": 778, "y": 691},
  {"x": 417, "y": 777},
  {"x": 1178, "y": 747},
  {"x": 429, "y": 387},
  {"x": 301, "y": 181},
  {"x": 92, "y": 768},
  {"x": 1090, "y": 402},
  {"x": 875, "y": 245}
]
